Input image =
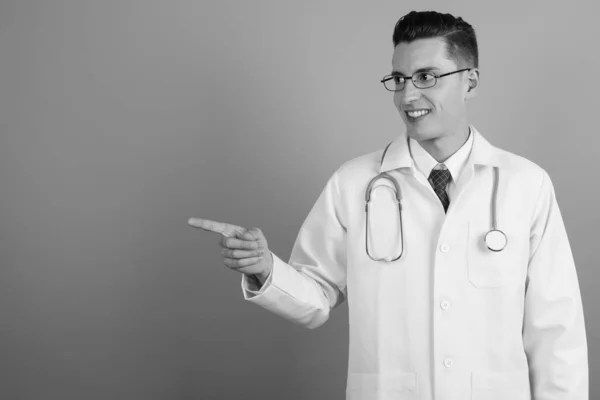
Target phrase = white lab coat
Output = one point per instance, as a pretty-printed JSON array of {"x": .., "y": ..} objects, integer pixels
[{"x": 449, "y": 320}]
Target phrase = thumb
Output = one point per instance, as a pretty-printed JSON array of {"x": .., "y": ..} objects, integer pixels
[
  {"x": 245, "y": 234},
  {"x": 253, "y": 234}
]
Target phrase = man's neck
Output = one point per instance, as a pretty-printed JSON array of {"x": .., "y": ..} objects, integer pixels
[{"x": 443, "y": 147}]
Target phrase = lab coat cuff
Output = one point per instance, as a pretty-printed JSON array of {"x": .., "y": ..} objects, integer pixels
[
  {"x": 250, "y": 287},
  {"x": 279, "y": 278}
]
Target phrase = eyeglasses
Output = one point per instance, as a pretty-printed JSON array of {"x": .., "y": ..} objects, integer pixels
[{"x": 421, "y": 80}]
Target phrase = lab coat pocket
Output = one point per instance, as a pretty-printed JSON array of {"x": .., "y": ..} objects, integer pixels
[
  {"x": 491, "y": 269},
  {"x": 500, "y": 385},
  {"x": 383, "y": 386}
]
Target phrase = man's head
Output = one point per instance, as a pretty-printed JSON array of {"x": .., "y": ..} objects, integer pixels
[{"x": 439, "y": 44}]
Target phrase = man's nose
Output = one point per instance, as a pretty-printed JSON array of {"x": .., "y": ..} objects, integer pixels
[{"x": 410, "y": 93}]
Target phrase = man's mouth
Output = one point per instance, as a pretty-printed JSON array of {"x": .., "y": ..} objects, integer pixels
[{"x": 417, "y": 113}]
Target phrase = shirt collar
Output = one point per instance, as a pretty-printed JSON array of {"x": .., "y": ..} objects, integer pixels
[
  {"x": 424, "y": 162},
  {"x": 482, "y": 153}
]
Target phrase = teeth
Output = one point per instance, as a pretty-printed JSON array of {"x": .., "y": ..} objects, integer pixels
[{"x": 415, "y": 114}]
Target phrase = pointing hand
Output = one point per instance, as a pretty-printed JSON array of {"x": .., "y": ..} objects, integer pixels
[{"x": 243, "y": 250}]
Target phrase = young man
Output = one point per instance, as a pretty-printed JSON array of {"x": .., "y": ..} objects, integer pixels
[{"x": 475, "y": 296}]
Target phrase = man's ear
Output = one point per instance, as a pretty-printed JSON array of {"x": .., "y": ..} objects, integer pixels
[{"x": 473, "y": 82}]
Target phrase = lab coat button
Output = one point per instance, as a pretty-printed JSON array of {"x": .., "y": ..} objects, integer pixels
[
  {"x": 448, "y": 362},
  {"x": 445, "y": 305},
  {"x": 444, "y": 248}
]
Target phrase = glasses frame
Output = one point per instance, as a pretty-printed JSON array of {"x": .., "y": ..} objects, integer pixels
[{"x": 412, "y": 78}]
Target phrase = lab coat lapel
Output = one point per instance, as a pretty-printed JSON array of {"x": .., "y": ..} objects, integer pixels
[{"x": 483, "y": 155}]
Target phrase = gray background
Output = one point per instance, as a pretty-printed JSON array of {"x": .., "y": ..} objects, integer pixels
[{"x": 119, "y": 120}]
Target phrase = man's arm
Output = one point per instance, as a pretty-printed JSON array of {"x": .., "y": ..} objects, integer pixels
[
  {"x": 314, "y": 281},
  {"x": 554, "y": 328}
]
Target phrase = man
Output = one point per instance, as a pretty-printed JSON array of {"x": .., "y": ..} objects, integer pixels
[{"x": 445, "y": 313}]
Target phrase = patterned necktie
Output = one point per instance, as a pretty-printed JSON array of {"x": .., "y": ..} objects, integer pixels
[{"x": 439, "y": 179}]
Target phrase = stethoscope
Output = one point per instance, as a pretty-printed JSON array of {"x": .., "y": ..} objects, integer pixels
[{"x": 495, "y": 239}]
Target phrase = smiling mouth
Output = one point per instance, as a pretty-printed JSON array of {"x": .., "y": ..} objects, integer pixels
[{"x": 417, "y": 113}]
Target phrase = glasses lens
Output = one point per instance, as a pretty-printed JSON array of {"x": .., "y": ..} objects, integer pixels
[
  {"x": 423, "y": 80},
  {"x": 393, "y": 84}
]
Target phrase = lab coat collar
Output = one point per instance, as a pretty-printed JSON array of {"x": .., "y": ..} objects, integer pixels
[
  {"x": 398, "y": 155},
  {"x": 482, "y": 153}
]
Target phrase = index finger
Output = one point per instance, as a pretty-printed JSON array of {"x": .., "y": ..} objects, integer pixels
[{"x": 224, "y": 229}]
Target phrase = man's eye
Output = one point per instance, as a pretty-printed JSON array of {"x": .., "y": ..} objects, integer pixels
[
  {"x": 425, "y": 77},
  {"x": 398, "y": 80}
]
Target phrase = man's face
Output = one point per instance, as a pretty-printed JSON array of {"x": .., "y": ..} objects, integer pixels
[{"x": 445, "y": 103}]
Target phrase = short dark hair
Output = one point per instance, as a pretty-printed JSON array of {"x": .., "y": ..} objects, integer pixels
[{"x": 461, "y": 42}]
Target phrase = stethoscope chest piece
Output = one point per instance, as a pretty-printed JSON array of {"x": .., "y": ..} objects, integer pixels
[{"x": 495, "y": 240}]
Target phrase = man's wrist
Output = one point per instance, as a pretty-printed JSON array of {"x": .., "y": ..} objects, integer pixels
[{"x": 261, "y": 278}]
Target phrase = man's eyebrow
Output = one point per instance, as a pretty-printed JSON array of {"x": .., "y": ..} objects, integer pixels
[{"x": 424, "y": 69}]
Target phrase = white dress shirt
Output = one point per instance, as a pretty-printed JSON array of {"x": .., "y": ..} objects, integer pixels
[{"x": 456, "y": 163}]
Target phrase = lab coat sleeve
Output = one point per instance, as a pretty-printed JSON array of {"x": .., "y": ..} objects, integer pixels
[
  {"x": 553, "y": 328},
  {"x": 314, "y": 281}
]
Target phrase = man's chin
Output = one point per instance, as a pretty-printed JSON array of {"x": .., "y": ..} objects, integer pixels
[{"x": 418, "y": 134}]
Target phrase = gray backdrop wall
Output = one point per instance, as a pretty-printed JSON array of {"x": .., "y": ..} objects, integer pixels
[{"x": 120, "y": 119}]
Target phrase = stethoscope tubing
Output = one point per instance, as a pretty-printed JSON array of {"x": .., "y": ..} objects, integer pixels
[{"x": 494, "y": 198}]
